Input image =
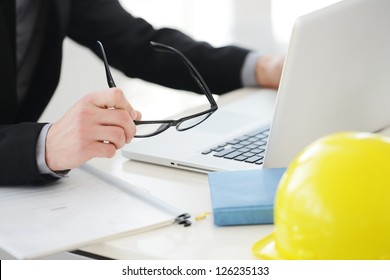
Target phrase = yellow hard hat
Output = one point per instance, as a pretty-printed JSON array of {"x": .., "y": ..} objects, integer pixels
[{"x": 333, "y": 202}]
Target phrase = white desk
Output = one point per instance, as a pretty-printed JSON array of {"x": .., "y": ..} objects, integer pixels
[
  {"x": 183, "y": 189},
  {"x": 188, "y": 191}
]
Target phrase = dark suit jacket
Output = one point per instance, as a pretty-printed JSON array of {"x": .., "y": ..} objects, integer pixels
[{"x": 126, "y": 41}]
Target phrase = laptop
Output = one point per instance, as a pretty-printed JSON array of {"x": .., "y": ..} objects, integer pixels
[{"x": 335, "y": 78}]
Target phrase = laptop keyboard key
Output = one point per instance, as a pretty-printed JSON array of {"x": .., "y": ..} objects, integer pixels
[
  {"x": 224, "y": 152},
  {"x": 206, "y": 152},
  {"x": 240, "y": 158},
  {"x": 248, "y": 148},
  {"x": 233, "y": 155},
  {"x": 254, "y": 159}
]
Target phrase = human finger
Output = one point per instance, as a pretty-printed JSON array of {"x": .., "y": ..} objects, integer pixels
[
  {"x": 111, "y": 98},
  {"x": 118, "y": 118},
  {"x": 110, "y": 135}
]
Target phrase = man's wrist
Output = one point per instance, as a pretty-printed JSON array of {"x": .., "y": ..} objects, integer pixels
[
  {"x": 269, "y": 70},
  {"x": 41, "y": 155},
  {"x": 249, "y": 70}
]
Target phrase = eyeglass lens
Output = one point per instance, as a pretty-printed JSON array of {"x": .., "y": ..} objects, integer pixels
[
  {"x": 149, "y": 129},
  {"x": 189, "y": 123}
]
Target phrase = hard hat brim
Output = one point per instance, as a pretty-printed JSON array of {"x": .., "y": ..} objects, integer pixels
[{"x": 265, "y": 248}]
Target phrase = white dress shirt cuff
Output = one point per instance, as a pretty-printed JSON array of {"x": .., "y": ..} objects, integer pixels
[
  {"x": 248, "y": 71},
  {"x": 41, "y": 155}
]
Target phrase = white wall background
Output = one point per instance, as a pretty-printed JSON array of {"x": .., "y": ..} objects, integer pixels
[
  {"x": 262, "y": 25},
  {"x": 243, "y": 22}
]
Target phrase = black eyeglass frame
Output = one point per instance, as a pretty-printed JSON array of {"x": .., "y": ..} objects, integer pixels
[{"x": 165, "y": 124}]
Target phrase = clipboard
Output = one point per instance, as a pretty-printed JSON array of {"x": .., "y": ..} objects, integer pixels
[{"x": 85, "y": 208}]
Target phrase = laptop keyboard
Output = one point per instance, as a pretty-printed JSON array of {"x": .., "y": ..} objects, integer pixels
[{"x": 248, "y": 148}]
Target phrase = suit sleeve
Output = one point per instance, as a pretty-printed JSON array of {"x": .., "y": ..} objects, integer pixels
[
  {"x": 126, "y": 41},
  {"x": 18, "y": 163}
]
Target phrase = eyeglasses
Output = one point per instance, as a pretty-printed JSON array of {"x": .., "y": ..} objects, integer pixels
[{"x": 154, "y": 127}]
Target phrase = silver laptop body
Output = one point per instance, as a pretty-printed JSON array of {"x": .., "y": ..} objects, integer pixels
[{"x": 336, "y": 77}]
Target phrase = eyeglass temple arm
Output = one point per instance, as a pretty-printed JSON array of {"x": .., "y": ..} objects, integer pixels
[
  {"x": 163, "y": 48},
  {"x": 194, "y": 73},
  {"x": 110, "y": 80}
]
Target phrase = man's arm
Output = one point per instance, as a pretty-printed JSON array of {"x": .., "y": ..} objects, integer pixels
[
  {"x": 18, "y": 163},
  {"x": 126, "y": 41},
  {"x": 87, "y": 130}
]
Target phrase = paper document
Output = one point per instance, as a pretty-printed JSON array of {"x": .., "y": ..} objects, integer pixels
[{"x": 84, "y": 208}]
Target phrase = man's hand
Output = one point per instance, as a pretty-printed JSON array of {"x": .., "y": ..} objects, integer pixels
[
  {"x": 269, "y": 70},
  {"x": 96, "y": 126}
]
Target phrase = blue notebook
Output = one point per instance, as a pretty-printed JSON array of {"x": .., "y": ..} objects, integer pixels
[{"x": 244, "y": 197}]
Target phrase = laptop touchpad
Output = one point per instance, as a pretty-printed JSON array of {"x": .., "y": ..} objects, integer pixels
[{"x": 224, "y": 123}]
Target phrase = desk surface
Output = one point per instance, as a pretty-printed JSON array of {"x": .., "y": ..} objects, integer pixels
[{"x": 188, "y": 191}]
